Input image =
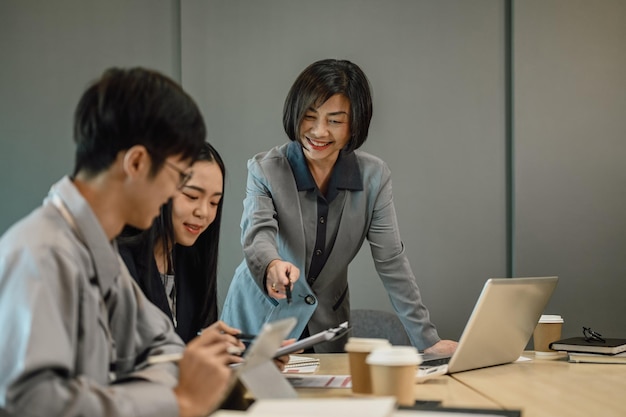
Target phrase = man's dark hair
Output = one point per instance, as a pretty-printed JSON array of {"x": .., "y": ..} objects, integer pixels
[
  {"x": 319, "y": 82},
  {"x": 128, "y": 107}
]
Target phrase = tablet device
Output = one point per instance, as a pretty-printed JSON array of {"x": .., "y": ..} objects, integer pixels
[
  {"x": 307, "y": 342},
  {"x": 258, "y": 372}
]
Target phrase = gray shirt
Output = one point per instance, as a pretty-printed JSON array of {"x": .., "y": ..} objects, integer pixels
[{"x": 76, "y": 328}]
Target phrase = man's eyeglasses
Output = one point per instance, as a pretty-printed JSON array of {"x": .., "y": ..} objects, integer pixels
[
  {"x": 184, "y": 177},
  {"x": 591, "y": 336}
]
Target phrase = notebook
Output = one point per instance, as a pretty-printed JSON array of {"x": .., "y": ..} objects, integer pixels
[{"x": 500, "y": 325}]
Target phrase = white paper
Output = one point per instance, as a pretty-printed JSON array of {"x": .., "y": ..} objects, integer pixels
[
  {"x": 426, "y": 413},
  {"x": 301, "y": 365},
  {"x": 320, "y": 381},
  {"x": 327, "y": 407}
]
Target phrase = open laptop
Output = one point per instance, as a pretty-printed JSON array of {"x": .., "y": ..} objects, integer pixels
[{"x": 500, "y": 325}]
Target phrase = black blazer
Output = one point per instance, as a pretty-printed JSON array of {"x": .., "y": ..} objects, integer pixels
[{"x": 145, "y": 272}]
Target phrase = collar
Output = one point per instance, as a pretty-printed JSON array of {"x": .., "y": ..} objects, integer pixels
[
  {"x": 346, "y": 173},
  {"x": 89, "y": 231}
]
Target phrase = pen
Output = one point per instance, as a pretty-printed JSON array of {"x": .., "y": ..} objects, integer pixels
[
  {"x": 288, "y": 292},
  {"x": 240, "y": 336},
  {"x": 245, "y": 336},
  {"x": 175, "y": 357}
]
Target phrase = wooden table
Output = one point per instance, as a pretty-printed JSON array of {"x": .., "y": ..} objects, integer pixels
[
  {"x": 449, "y": 391},
  {"x": 547, "y": 388},
  {"x": 540, "y": 388}
]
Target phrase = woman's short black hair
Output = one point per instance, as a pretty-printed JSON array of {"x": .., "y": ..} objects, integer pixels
[
  {"x": 322, "y": 80},
  {"x": 136, "y": 106}
]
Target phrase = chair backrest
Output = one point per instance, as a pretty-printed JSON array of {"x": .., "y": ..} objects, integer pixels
[{"x": 378, "y": 324}]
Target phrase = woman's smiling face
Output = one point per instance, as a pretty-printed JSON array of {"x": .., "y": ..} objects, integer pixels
[
  {"x": 195, "y": 206},
  {"x": 325, "y": 130}
]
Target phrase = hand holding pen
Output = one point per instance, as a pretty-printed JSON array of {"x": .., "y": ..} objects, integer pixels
[
  {"x": 233, "y": 337},
  {"x": 226, "y": 329},
  {"x": 207, "y": 354},
  {"x": 279, "y": 279}
]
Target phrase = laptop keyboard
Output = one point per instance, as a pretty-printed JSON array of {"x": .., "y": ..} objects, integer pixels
[{"x": 429, "y": 363}]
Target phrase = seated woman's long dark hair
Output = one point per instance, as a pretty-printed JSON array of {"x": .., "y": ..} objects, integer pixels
[
  {"x": 201, "y": 258},
  {"x": 198, "y": 261}
]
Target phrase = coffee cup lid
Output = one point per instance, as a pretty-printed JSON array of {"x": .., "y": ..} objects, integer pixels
[
  {"x": 551, "y": 318},
  {"x": 394, "y": 356},
  {"x": 363, "y": 344}
]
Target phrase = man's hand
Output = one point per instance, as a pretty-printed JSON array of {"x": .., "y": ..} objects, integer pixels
[{"x": 204, "y": 370}]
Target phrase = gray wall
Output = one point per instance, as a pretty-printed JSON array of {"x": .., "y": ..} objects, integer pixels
[
  {"x": 50, "y": 51},
  {"x": 570, "y": 156},
  {"x": 438, "y": 71}
]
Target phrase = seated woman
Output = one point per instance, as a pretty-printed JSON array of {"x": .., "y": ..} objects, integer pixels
[{"x": 175, "y": 261}]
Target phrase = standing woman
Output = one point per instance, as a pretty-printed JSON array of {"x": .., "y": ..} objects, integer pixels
[
  {"x": 175, "y": 261},
  {"x": 310, "y": 205}
]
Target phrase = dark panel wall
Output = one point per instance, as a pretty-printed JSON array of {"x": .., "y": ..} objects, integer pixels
[{"x": 570, "y": 154}]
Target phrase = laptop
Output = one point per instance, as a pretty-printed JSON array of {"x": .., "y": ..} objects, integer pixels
[{"x": 499, "y": 327}]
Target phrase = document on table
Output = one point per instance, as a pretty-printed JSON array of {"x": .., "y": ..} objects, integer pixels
[
  {"x": 332, "y": 407},
  {"x": 327, "y": 407},
  {"x": 301, "y": 365},
  {"x": 435, "y": 413},
  {"x": 319, "y": 381}
]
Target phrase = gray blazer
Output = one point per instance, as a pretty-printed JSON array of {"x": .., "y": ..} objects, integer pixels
[
  {"x": 76, "y": 328},
  {"x": 273, "y": 227}
]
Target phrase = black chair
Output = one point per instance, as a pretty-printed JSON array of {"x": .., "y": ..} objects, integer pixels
[{"x": 378, "y": 324}]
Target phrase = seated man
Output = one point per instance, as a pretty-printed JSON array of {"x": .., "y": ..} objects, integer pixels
[{"x": 76, "y": 330}]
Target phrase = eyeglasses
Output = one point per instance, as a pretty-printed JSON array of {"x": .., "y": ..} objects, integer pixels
[
  {"x": 591, "y": 336},
  {"x": 184, "y": 177}
]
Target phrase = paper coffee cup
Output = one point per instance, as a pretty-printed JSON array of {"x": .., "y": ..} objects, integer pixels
[
  {"x": 548, "y": 330},
  {"x": 393, "y": 372},
  {"x": 358, "y": 349}
]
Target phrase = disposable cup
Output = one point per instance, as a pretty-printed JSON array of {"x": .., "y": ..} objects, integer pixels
[
  {"x": 393, "y": 372},
  {"x": 548, "y": 330},
  {"x": 358, "y": 349}
]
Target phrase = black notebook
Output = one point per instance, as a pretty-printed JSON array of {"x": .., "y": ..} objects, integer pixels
[{"x": 580, "y": 344}]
